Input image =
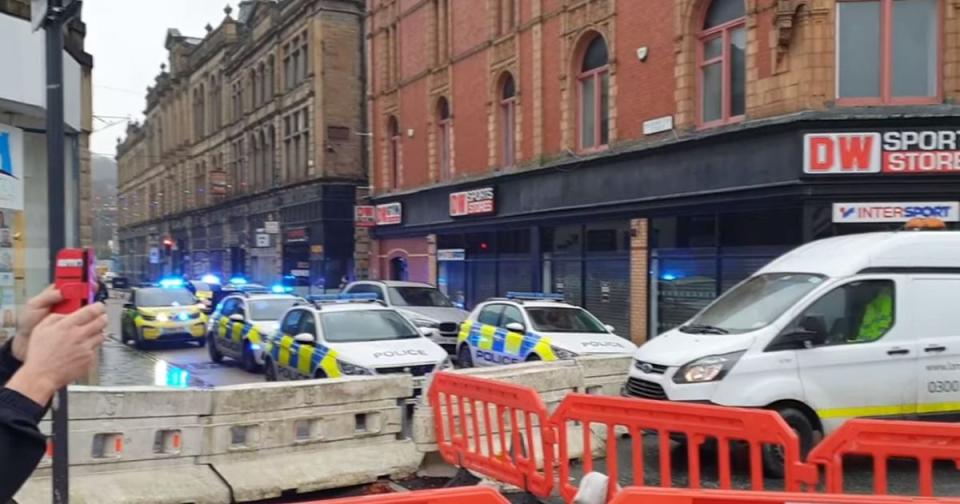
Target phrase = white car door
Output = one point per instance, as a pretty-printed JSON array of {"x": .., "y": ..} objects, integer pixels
[
  {"x": 936, "y": 319},
  {"x": 860, "y": 367}
]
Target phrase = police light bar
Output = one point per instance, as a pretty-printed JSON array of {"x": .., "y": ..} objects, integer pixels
[
  {"x": 534, "y": 296},
  {"x": 281, "y": 289},
  {"x": 171, "y": 283},
  {"x": 238, "y": 281},
  {"x": 210, "y": 279},
  {"x": 342, "y": 298}
]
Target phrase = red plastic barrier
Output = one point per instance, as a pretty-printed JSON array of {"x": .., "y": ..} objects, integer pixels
[
  {"x": 495, "y": 428},
  {"x": 697, "y": 423},
  {"x": 882, "y": 440},
  {"x": 466, "y": 495},
  {"x": 676, "y": 496}
]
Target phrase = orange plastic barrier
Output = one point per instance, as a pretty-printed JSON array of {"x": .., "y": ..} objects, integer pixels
[
  {"x": 676, "y": 496},
  {"x": 495, "y": 428},
  {"x": 465, "y": 495},
  {"x": 696, "y": 423},
  {"x": 882, "y": 440}
]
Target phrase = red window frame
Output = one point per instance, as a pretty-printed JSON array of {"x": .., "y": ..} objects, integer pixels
[
  {"x": 886, "y": 61},
  {"x": 723, "y": 30},
  {"x": 508, "y": 115},
  {"x": 596, "y": 75}
]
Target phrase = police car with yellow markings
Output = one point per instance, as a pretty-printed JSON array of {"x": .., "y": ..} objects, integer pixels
[
  {"x": 167, "y": 312},
  {"x": 241, "y": 322},
  {"x": 349, "y": 335},
  {"x": 532, "y": 326}
]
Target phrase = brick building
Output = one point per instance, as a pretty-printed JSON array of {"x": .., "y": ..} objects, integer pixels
[
  {"x": 251, "y": 152},
  {"x": 642, "y": 157}
]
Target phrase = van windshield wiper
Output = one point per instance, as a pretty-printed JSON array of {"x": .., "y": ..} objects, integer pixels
[{"x": 703, "y": 329}]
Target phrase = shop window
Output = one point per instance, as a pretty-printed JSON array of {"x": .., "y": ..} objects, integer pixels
[
  {"x": 444, "y": 138},
  {"x": 508, "y": 121},
  {"x": 593, "y": 89},
  {"x": 608, "y": 237},
  {"x": 451, "y": 241},
  {"x": 684, "y": 232},
  {"x": 562, "y": 240},
  {"x": 722, "y": 60},
  {"x": 515, "y": 241},
  {"x": 762, "y": 228},
  {"x": 888, "y": 51},
  {"x": 480, "y": 244}
]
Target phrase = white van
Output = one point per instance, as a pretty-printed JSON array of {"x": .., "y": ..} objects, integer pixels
[{"x": 864, "y": 325}]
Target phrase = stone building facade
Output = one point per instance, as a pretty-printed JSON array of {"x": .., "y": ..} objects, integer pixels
[
  {"x": 251, "y": 152},
  {"x": 643, "y": 157}
]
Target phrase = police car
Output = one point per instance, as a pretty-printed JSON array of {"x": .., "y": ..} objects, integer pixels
[
  {"x": 167, "y": 312},
  {"x": 240, "y": 323},
  {"x": 349, "y": 335},
  {"x": 532, "y": 326}
]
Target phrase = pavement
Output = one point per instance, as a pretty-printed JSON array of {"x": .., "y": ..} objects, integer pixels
[{"x": 175, "y": 365}]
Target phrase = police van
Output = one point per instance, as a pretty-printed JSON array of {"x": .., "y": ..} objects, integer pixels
[
  {"x": 533, "y": 326},
  {"x": 349, "y": 335},
  {"x": 863, "y": 325},
  {"x": 241, "y": 321}
]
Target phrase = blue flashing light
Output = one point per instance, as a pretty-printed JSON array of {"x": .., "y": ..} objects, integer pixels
[
  {"x": 210, "y": 279},
  {"x": 255, "y": 347},
  {"x": 183, "y": 316},
  {"x": 238, "y": 281},
  {"x": 281, "y": 289},
  {"x": 669, "y": 276},
  {"x": 171, "y": 283},
  {"x": 534, "y": 296}
]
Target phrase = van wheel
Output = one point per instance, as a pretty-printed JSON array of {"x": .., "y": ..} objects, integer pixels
[
  {"x": 269, "y": 370},
  {"x": 319, "y": 374},
  {"x": 248, "y": 359},
  {"x": 533, "y": 358},
  {"x": 773, "y": 458},
  {"x": 215, "y": 355},
  {"x": 464, "y": 359}
]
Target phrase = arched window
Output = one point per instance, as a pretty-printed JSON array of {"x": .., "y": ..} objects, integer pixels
[
  {"x": 271, "y": 157},
  {"x": 264, "y": 155},
  {"x": 722, "y": 61},
  {"x": 508, "y": 121},
  {"x": 393, "y": 130},
  {"x": 593, "y": 85},
  {"x": 444, "y": 137},
  {"x": 271, "y": 76}
]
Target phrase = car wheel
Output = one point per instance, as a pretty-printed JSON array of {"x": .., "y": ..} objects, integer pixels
[
  {"x": 533, "y": 358},
  {"x": 270, "y": 370},
  {"x": 212, "y": 349},
  {"x": 464, "y": 359},
  {"x": 773, "y": 458},
  {"x": 202, "y": 342},
  {"x": 319, "y": 374},
  {"x": 249, "y": 360}
]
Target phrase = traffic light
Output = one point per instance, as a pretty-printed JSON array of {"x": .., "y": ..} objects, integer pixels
[{"x": 168, "y": 245}]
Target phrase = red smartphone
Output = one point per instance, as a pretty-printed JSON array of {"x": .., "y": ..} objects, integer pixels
[{"x": 76, "y": 279}]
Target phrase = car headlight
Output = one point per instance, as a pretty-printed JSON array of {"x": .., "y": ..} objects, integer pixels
[
  {"x": 707, "y": 369},
  {"x": 353, "y": 370},
  {"x": 562, "y": 353},
  {"x": 163, "y": 317}
]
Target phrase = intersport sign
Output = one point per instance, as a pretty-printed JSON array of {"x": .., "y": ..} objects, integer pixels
[{"x": 887, "y": 152}]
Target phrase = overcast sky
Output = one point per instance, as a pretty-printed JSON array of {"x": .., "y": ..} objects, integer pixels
[{"x": 126, "y": 39}]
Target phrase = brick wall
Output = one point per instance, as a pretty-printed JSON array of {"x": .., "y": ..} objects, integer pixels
[{"x": 639, "y": 280}]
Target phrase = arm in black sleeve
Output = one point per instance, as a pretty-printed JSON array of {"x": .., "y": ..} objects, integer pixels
[
  {"x": 8, "y": 364},
  {"x": 21, "y": 444}
]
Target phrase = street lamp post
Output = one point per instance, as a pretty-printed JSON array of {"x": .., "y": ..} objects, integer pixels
[{"x": 52, "y": 15}]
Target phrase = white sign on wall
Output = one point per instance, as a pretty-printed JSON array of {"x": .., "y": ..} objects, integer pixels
[
  {"x": 851, "y": 213},
  {"x": 11, "y": 168}
]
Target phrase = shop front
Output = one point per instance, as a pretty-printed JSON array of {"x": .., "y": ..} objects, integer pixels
[{"x": 645, "y": 239}]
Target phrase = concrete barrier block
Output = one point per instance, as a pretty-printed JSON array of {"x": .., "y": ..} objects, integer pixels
[
  {"x": 137, "y": 402},
  {"x": 268, "y": 474},
  {"x": 111, "y": 441},
  {"x": 604, "y": 375},
  {"x": 542, "y": 376},
  {"x": 289, "y": 395},
  {"x": 173, "y": 484}
]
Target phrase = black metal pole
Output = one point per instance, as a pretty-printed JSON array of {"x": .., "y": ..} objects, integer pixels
[{"x": 56, "y": 210}]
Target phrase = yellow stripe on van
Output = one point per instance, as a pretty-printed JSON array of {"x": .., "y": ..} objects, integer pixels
[
  {"x": 487, "y": 333},
  {"x": 513, "y": 343},
  {"x": 284, "y": 357},
  {"x": 237, "y": 334},
  {"x": 329, "y": 364},
  {"x": 304, "y": 359},
  {"x": 890, "y": 410}
]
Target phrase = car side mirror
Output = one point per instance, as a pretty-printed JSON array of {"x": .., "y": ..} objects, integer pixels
[
  {"x": 305, "y": 338},
  {"x": 449, "y": 328},
  {"x": 609, "y": 328},
  {"x": 237, "y": 317},
  {"x": 516, "y": 327},
  {"x": 427, "y": 331}
]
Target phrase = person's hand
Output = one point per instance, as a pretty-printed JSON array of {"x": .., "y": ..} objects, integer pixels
[
  {"x": 62, "y": 348},
  {"x": 35, "y": 311}
]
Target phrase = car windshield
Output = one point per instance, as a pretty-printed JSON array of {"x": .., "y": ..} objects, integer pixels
[
  {"x": 270, "y": 309},
  {"x": 165, "y": 297},
  {"x": 753, "y": 304},
  {"x": 418, "y": 296},
  {"x": 366, "y": 325},
  {"x": 564, "y": 320}
]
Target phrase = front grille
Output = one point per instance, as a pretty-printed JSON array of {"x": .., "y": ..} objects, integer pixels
[
  {"x": 645, "y": 389},
  {"x": 421, "y": 370},
  {"x": 649, "y": 367}
]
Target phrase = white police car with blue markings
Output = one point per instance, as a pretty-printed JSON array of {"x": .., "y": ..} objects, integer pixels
[
  {"x": 349, "y": 335},
  {"x": 240, "y": 323},
  {"x": 531, "y": 326}
]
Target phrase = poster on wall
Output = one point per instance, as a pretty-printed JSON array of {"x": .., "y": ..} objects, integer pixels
[{"x": 11, "y": 168}]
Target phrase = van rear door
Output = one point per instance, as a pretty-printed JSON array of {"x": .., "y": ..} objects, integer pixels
[{"x": 935, "y": 313}]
